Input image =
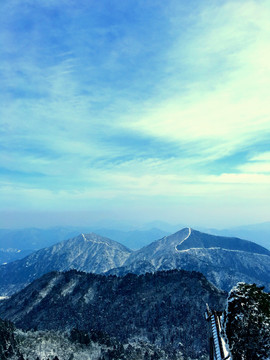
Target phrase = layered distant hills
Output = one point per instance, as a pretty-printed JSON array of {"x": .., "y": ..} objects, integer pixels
[
  {"x": 16, "y": 244},
  {"x": 223, "y": 260},
  {"x": 130, "y": 236},
  {"x": 259, "y": 233},
  {"x": 12, "y": 254}
]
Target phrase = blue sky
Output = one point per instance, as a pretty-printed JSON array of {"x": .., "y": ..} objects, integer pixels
[{"x": 134, "y": 110}]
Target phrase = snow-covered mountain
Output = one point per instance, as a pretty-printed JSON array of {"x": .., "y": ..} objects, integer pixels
[
  {"x": 223, "y": 260},
  {"x": 90, "y": 253}
]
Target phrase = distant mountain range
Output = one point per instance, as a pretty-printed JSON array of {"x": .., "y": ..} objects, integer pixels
[
  {"x": 15, "y": 244},
  {"x": 224, "y": 261},
  {"x": 33, "y": 239},
  {"x": 165, "y": 309},
  {"x": 259, "y": 233},
  {"x": 133, "y": 239},
  {"x": 9, "y": 255}
]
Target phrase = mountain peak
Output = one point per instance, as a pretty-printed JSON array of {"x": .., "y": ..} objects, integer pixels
[
  {"x": 94, "y": 238},
  {"x": 224, "y": 260},
  {"x": 199, "y": 240},
  {"x": 86, "y": 252}
]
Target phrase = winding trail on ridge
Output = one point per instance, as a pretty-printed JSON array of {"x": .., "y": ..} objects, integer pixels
[{"x": 188, "y": 235}]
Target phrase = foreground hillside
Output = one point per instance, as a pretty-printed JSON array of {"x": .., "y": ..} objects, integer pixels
[
  {"x": 247, "y": 313},
  {"x": 223, "y": 260},
  {"x": 165, "y": 309}
]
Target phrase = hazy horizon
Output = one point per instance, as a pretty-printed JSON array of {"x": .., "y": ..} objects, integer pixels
[
  {"x": 52, "y": 221},
  {"x": 134, "y": 111}
]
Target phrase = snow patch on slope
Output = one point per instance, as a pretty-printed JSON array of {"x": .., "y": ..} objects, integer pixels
[
  {"x": 89, "y": 296},
  {"x": 43, "y": 293},
  {"x": 68, "y": 289}
]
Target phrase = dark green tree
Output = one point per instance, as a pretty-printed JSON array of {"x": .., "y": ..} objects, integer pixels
[{"x": 246, "y": 322}]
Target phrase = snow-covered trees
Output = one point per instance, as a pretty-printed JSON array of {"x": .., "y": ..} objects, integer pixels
[
  {"x": 246, "y": 322},
  {"x": 7, "y": 341}
]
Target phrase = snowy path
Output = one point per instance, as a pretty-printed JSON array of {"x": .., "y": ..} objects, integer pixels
[
  {"x": 95, "y": 242},
  {"x": 188, "y": 235},
  {"x": 215, "y": 333}
]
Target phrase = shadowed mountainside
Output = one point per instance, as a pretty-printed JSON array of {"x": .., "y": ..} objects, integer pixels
[{"x": 165, "y": 308}]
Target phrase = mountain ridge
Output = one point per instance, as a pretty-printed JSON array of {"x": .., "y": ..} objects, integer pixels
[{"x": 225, "y": 261}]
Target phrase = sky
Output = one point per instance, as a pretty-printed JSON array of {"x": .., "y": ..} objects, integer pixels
[{"x": 134, "y": 111}]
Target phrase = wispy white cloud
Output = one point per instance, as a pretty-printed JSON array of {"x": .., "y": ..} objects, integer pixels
[
  {"x": 258, "y": 164},
  {"x": 256, "y": 167},
  {"x": 228, "y": 104},
  {"x": 264, "y": 156}
]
